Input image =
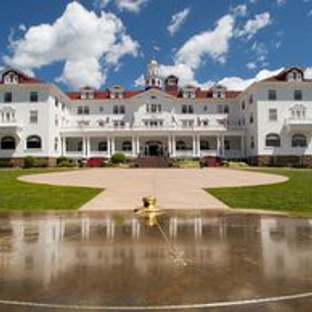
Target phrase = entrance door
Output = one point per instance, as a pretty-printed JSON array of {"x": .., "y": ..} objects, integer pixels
[{"x": 154, "y": 148}]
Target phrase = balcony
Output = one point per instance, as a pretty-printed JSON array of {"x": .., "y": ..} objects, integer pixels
[
  {"x": 293, "y": 124},
  {"x": 11, "y": 126}
]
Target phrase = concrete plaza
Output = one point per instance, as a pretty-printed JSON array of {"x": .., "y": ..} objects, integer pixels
[{"x": 174, "y": 188}]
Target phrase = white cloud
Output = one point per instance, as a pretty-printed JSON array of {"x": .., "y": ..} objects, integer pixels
[
  {"x": 251, "y": 65},
  {"x": 254, "y": 25},
  {"x": 133, "y": 6},
  {"x": 214, "y": 43},
  {"x": 281, "y": 2},
  {"x": 237, "y": 83},
  {"x": 308, "y": 73},
  {"x": 240, "y": 10},
  {"x": 178, "y": 20},
  {"x": 88, "y": 44}
]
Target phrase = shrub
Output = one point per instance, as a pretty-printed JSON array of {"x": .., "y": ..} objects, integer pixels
[
  {"x": 6, "y": 163},
  {"x": 29, "y": 162},
  {"x": 118, "y": 158},
  {"x": 63, "y": 161}
]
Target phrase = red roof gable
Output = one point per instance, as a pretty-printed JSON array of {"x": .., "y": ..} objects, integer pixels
[
  {"x": 22, "y": 77},
  {"x": 282, "y": 76}
]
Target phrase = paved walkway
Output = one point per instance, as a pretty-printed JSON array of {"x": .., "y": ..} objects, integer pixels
[{"x": 174, "y": 188}]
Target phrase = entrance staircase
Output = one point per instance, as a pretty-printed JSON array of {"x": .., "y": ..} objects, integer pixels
[{"x": 153, "y": 162}]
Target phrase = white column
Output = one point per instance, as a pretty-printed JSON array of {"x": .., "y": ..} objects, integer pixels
[
  {"x": 174, "y": 146},
  {"x": 88, "y": 147},
  {"x": 112, "y": 145},
  {"x": 194, "y": 146},
  {"x": 108, "y": 147},
  {"x": 138, "y": 145},
  {"x": 219, "y": 152},
  {"x": 198, "y": 145},
  {"x": 84, "y": 147},
  {"x": 169, "y": 145},
  {"x": 133, "y": 146},
  {"x": 63, "y": 146}
]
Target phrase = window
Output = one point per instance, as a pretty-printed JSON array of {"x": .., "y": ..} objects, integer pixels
[
  {"x": 56, "y": 121},
  {"x": 11, "y": 78},
  {"x": 252, "y": 142},
  {"x": 298, "y": 95},
  {"x": 8, "y": 143},
  {"x": 187, "y": 109},
  {"x": 251, "y": 118},
  {"x": 227, "y": 145},
  {"x": 204, "y": 145},
  {"x": 119, "y": 109},
  {"x": 101, "y": 109},
  {"x": 56, "y": 144},
  {"x": 7, "y": 97},
  {"x": 223, "y": 109},
  {"x": 119, "y": 124},
  {"x": 33, "y": 141},
  {"x": 33, "y": 97},
  {"x": 86, "y": 110},
  {"x": 243, "y": 105},
  {"x": 181, "y": 145},
  {"x": 79, "y": 146},
  {"x": 80, "y": 110},
  {"x": 83, "y": 110},
  {"x": 102, "y": 146},
  {"x": 56, "y": 102},
  {"x": 272, "y": 95},
  {"x": 251, "y": 99},
  {"x": 87, "y": 95},
  {"x": 153, "y": 108},
  {"x": 187, "y": 123},
  {"x": 33, "y": 117},
  {"x": 273, "y": 140},
  {"x": 298, "y": 112},
  {"x": 127, "y": 146},
  {"x": 299, "y": 140},
  {"x": 272, "y": 114}
]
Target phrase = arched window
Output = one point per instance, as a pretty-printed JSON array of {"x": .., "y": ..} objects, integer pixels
[
  {"x": 34, "y": 141},
  {"x": 273, "y": 140},
  {"x": 299, "y": 140},
  {"x": 103, "y": 146},
  {"x": 181, "y": 146},
  {"x": 204, "y": 145},
  {"x": 127, "y": 146},
  {"x": 8, "y": 143}
]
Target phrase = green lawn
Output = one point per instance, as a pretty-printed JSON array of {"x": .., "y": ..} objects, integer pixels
[
  {"x": 22, "y": 196},
  {"x": 295, "y": 195}
]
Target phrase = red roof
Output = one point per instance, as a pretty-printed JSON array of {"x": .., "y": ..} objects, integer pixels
[
  {"x": 22, "y": 78},
  {"x": 200, "y": 94},
  {"x": 282, "y": 76}
]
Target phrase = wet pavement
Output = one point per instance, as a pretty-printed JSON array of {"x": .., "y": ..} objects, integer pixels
[{"x": 112, "y": 259}]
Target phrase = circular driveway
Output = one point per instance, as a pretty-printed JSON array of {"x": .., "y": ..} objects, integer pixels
[{"x": 174, "y": 188}]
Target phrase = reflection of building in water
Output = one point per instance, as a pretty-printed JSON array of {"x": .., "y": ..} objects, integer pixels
[
  {"x": 286, "y": 247},
  {"x": 51, "y": 246}
]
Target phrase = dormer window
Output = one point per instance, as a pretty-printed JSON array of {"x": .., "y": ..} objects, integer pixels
[
  {"x": 188, "y": 92},
  {"x": 87, "y": 95},
  {"x": 294, "y": 76},
  {"x": 116, "y": 92},
  {"x": 11, "y": 78},
  {"x": 218, "y": 92}
]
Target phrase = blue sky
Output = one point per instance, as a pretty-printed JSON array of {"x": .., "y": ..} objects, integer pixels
[{"x": 104, "y": 42}]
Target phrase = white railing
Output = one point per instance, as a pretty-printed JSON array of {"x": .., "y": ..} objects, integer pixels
[{"x": 213, "y": 153}]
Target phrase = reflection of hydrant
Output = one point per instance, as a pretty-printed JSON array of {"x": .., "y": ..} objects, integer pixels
[{"x": 149, "y": 212}]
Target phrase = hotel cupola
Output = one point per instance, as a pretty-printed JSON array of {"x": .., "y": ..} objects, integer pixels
[{"x": 152, "y": 77}]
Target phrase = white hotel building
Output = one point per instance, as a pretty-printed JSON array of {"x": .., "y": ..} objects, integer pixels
[{"x": 268, "y": 123}]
